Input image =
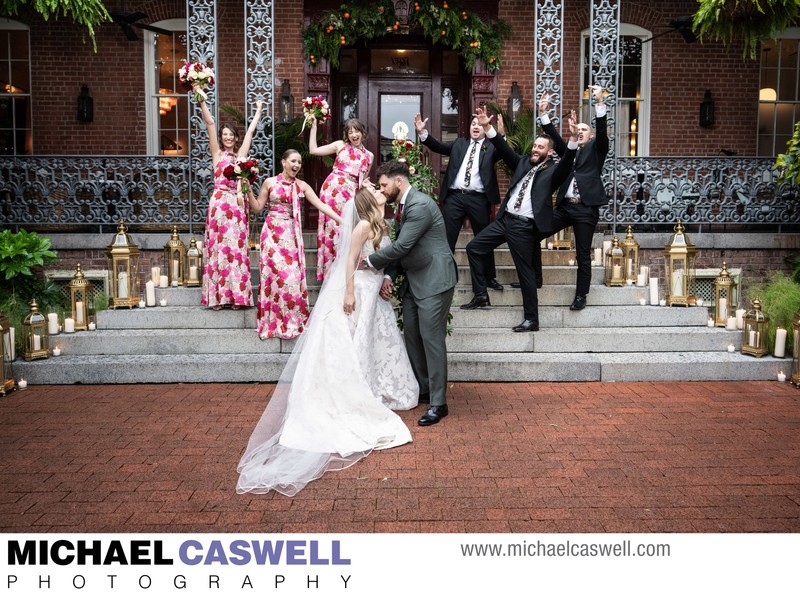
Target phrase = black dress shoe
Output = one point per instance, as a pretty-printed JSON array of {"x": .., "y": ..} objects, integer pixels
[
  {"x": 424, "y": 398},
  {"x": 433, "y": 415},
  {"x": 579, "y": 303},
  {"x": 526, "y": 326},
  {"x": 519, "y": 285},
  {"x": 493, "y": 284},
  {"x": 477, "y": 301}
]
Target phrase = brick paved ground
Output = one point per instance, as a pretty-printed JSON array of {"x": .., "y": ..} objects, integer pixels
[{"x": 579, "y": 457}]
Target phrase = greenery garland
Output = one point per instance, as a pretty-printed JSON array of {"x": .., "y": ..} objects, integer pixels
[{"x": 456, "y": 29}]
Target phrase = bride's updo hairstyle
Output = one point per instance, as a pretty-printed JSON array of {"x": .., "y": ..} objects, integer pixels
[{"x": 368, "y": 210}]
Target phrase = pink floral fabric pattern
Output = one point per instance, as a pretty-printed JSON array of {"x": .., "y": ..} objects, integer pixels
[
  {"x": 282, "y": 294},
  {"x": 350, "y": 169},
  {"x": 226, "y": 267}
]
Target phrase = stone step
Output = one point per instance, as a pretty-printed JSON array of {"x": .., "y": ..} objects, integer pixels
[{"x": 487, "y": 367}]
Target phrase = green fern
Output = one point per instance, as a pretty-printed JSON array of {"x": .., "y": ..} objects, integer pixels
[{"x": 780, "y": 300}]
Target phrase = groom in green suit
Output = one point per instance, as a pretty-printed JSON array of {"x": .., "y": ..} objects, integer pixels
[{"x": 422, "y": 254}]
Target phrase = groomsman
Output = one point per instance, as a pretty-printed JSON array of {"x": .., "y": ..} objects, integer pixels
[
  {"x": 526, "y": 212},
  {"x": 469, "y": 187},
  {"x": 582, "y": 194}
]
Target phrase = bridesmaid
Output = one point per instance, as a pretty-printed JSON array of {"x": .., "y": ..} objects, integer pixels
[
  {"x": 282, "y": 294},
  {"x": 350, "y": 169},
  {"x": 226, "y": 267}
]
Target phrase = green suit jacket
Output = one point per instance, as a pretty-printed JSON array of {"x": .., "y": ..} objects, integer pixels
[{"x": 421, "y": 249}]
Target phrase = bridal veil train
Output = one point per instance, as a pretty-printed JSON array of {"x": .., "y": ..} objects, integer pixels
[{"x": 330, "y": 407}]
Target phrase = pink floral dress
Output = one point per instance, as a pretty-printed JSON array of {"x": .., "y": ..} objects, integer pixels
[
  {"x": 226, "y": 267},
  {"x": 282, "y": 294},
  {"x": 350, "y": 169}
]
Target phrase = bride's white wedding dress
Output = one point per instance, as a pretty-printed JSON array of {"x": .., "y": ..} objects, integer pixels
[{"x": 332, "y": 404}]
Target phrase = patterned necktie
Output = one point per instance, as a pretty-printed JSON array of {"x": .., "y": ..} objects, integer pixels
[
  {"x": 575, "y": 192},
  {"x": 525, "y": 181},
  {"x": 470, "y": 160}
]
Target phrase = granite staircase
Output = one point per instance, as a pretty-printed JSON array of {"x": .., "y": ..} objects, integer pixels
[{"x": 613, "y": 339}]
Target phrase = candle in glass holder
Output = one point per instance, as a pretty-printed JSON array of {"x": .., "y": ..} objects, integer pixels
[
  {"x": 79, "y": 312},
  {"x": 122, "y": 285},
  {"x": 571, "y": 262},
  {"x": 751, "y": 339},
  {"x": 642, "y": 301},
  {"x": 163, "y": 302},
  {"x": 710, "y": 322},
  {"x": 731, "y": 348},
  {"x": 549, "y": 245},
  {"x": 142, "y": 302},
  {"x": 780, "y": 343},
  {"x": 723, "y": 307},
  {"x": 155, "y": 274},
  {"x": 92, "y": 326},
  {"x": 37, "y": 342},
  {"x": 22, "y": 384},
  {"x": 56, "y": 351},
  {"x": 700, "y": 302},
  {"x": 662, "y": 302},
  {"x": 193, "y": 273},
  {"x": 781, "y": 376}
]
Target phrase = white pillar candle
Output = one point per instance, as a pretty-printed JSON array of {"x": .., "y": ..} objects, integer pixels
[
  {"x": 163, "y": 281},
  {"x": 653, "y": 290},
  {"x": 710, "y": 322},
  {"x": 645, "y": 270},
  {"x": 122, "y": 285},
  {"x": 56, "y": 352},
  {"x": 617, "y": 271},
  {"x": 723, "y": 308},
  {"x": 92, "y": 326},
  {"x": 629, "y": 273},
  {"x": 150, "y": 292},
  {"x": 193, "y": 273},
  {"x": 37, "y": 342},
  {"x": 69, "y": 325},
  {"x": 751, "y": 339},
  {"x": 780, "y": 343},
  {"x": 155, "y": 274},
  {"x": 542, "y": 244},
  {"x": 52, "y": 323},
  {"x": 175, "y": 270},
  {"x": 200, "y": 246},
  {"x": 79, "y": 312},
  {"x": 11, "y": 350},
  {"x": 677, "y": 283},
  {"x": 606, "y": 247},
  {"x": 740, "y": 318},
  {"x": 781, "y": 376},
  {"x": 731, "y": 324},
  {"x": 640, "y": 280}
]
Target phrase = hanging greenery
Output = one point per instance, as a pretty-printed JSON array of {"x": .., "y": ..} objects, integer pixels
[
  {"x": 456, "y": 29},
  {"x": 86, "y": 13},
  {"x": 753, "y": 20},
  {"x": 788, "y": 163}
]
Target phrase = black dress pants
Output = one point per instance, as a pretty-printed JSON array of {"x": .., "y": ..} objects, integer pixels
[{"x": 474, "y": 207}]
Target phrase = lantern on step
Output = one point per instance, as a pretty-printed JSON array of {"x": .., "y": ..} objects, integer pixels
[
  {"x": 615, "y": 262},
  {"x": 194, "y": 265},
  {"x": 795, "y": 375},
  {"x": 6, "y": 355},
  {"x": 79, "y": 290},
  {"x": 34, "y": 334},
  {"x": 174, "y": 254},
  {"x": 724, "y": 297},
  {"x": 123, "y": 269},
  {"x": 754, "y": 331},
  {"x": 564, "y": 239},
  {"x": 630, "y": 249},
  {"x": 679, "y": 267}
]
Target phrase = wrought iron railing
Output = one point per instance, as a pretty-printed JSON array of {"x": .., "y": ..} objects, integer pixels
[{"x": 653, "y": 191}]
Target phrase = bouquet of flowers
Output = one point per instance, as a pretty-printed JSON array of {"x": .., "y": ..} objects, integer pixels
[
  {"x": 315, "y": 108},
  {"x": 245, "y": 170},
  {"x": 196, "y": 78}
]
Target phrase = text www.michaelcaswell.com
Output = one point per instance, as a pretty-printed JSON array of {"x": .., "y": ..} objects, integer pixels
[{"x": 566, "y": 549}]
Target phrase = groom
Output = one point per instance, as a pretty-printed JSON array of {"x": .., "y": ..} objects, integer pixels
[{"x": 422, "y": 254}]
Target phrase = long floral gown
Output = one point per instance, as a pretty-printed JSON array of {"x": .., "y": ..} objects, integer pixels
[
  {"x": 350, "y": 169},
  {"x": 282, "y": 294},
  {"x": 226, "y": 267}
]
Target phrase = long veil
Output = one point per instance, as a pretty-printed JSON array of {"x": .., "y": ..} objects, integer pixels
[{"x": 286, "y": 449}]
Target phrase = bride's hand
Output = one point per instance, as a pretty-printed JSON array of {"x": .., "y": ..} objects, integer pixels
[{"x": 349, "y": 303}]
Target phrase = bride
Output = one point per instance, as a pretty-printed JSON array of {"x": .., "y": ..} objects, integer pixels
[{"x": 331, "y": 406}]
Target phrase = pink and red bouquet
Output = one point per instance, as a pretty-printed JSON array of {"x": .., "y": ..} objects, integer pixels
[
  {"x": 315, "y": 108},
  {"x": 196, "y": 78},
  {"x": 245, "y": 170}
]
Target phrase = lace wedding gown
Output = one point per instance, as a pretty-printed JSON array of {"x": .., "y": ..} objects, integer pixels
[{"x": 331, "y": 405}]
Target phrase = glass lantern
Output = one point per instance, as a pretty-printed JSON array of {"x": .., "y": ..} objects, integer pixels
[
  {"x": 123, "y": 269},
  {"x": 6, "y": 355},
  {"x": 34, "y": 334},
  {"x": 194, "y": 265},
  {"x": 724, "y": 296},
  {"x": 630, "y": 249},
  {"x": 679, "y": 256},
  {"x": 795, "y": 375},
  {"x": 754, "y": 331},
  {"x": 79, "y": 291},
  {"x": 564, "y": 239},
  {"x": 615, "y": 265},
  {"x": 174, "y": 255}
]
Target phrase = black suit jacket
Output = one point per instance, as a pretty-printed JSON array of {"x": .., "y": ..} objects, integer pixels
[
  {"x": 544, "y": 183},
  {"x": 588, "y": 167},
  {"x": 458, "y": 152}
]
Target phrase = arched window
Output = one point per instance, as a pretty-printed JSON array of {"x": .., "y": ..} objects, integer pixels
[
  {"x": 16, "y": 130},
  {"x": 632, "y": 115},
  {"x": 779, "y": 96},
  {"x": 167, "y": 106}
]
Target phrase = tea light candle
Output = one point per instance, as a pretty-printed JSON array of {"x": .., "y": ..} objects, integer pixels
[
  {"x": 163, "y": 281},
  {"x": 56, "y": 352},
  {"x": 22, "y": 384},
  {"x": 69, "y": 325},
  {"x": 163, "y": 302},
  {"x": 700, "y": 303},
  {"x": 92, "y": 326},
  {"x": 629, "y": 282},
  {"x": 142, "y": 303},
  {"x": 731, "y": 348},
  {"x": 642, "y": 301},
  {"x": 549, "y": 245},
  {"x": 710, "y": 322},
  {"x": 662, "y": 302},
  {"x": 781, "y": 376},
  {"x": 780, "y": 343},
  {"x": 174, "y": 283},
  {"x": 571, "y": 262}
]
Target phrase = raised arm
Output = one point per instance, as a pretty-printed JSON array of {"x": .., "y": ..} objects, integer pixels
[
  {"x": 443, "y": 148},
  {"x": 251, "y": 131},
  {"x": 258, "y": 204},
  {"x": 327, "y": 149},
  {"x": 356, "y": 242},
  {"x": 211, "y": 127},
  {"x": 564, "y": 167},
  {"x": 312, "y": 197},
  {"x": 601, "y": 130},
  {"x": 544, "y": 106},
  {"x": 506, "y": 152}
]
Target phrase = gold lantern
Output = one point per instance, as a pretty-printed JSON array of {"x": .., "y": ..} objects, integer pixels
[
  {"x": 754, "y": 331},
  {"x": 679, "y": 254},
  {"x": 174, "y": 254},
  {"x": 724, "y": 296},
  {"x": 630, "y": 248},
  {"x": 6, "y": 355},
  {"x": 123, "y": 269},
  {"x": 34, "y": 334},
  {"x": 194, "y": 265},
  {"x": 615, "y": 265},
  {"x": 79, "y": 291},
  {"x": 795, "y": 375},
  {"x": 564, "y": 239}
]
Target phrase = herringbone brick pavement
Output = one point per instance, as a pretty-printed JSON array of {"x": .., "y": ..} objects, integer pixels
[{"x": 535, "y": 457}]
